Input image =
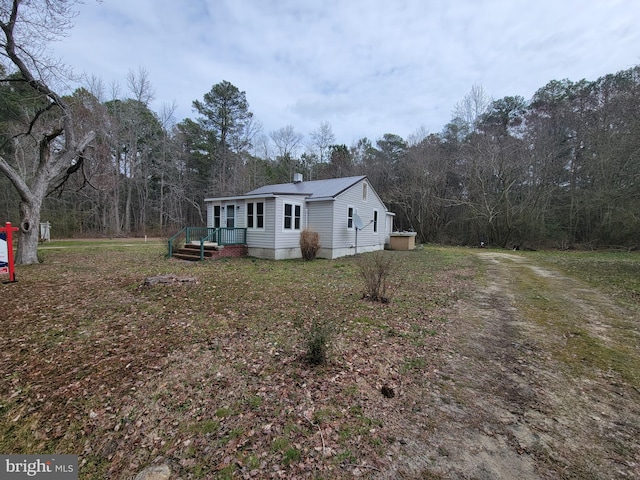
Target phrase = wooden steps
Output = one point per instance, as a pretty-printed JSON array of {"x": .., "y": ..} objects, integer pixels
[{"x": 191, "y": 251}]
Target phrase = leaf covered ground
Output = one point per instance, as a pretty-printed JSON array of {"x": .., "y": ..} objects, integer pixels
[
  {"x": 483, "y": 365},
  {"x": 212, "y": 377}
]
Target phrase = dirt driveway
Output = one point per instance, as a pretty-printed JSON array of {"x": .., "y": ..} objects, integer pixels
[{"x": 516, "y": 396}]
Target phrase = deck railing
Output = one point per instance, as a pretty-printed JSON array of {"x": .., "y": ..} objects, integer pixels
[{"x": 220, "y": 235}]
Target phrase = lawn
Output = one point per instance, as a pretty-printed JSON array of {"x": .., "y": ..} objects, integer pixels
[
  {"x": 617, "y": 273},
  {"x": 212, "y": 377}
]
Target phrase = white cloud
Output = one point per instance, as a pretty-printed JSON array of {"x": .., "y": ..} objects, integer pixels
[{"x": 367, "y": 67}]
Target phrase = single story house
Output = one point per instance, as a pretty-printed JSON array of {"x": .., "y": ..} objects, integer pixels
[{"x": 346, "y": 212}]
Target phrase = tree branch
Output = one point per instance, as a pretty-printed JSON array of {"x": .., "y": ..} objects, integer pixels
[
  {"x": 13, "y": 176},
  {"x": 10, "y": 48}
]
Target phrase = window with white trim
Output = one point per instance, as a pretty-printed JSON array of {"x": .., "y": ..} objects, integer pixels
[
  {"x": 231, "y": 216},
  {"x": 375, "y": 221},
  {"x": 364, "y": 192},
  {"x": 216, "y": 216},
  {"x": 250, "y": 219},
  {"x": 260, "y": 215},
  {"x": 255, "y": 215},
  {"x": 350, "y": 217},
  {"x": 292, "y": 216}
]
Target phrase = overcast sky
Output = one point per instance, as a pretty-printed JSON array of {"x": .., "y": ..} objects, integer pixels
[{"x": 367, "y": 67}]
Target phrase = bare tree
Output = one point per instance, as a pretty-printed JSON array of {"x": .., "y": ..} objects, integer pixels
[
  {"x": 95, "y": 86},
  {"x": 167, "y": 120},
  {"x": 140, "y": 86},
  {"x": 468, "y": 111},
  {"x": 418, "y": 136},
  {"x": 48, "y": 131},
  {"x": 287, "y": 141},
  {"x": 322, "y": 139}
]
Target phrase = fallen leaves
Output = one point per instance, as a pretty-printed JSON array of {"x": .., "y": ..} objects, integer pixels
[{"x": 207, "y": 375}]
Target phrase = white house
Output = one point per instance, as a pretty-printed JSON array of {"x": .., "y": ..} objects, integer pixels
[{"x": 346, "y": 212}]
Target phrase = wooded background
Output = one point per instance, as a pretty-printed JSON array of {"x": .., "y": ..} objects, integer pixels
[{"x": 561, "y": 169}]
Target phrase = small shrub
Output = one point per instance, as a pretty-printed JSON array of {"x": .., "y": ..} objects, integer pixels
[
  {"x": 291, "y": 455},
  {"x": 318, "y": 341},
  {"x": 309, "y": 244},
  {"x": 378, "y": 271}
]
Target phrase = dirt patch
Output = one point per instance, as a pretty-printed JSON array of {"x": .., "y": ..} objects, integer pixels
[{"x": 507, "y": 404}]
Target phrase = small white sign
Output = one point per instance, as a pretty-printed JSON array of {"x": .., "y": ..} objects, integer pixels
[
  {"x": 4, "y": 252},
  {"x": 4, "y": 255}
]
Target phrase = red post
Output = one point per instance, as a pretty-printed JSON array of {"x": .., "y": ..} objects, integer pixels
[{"x": 10, "y": 266}]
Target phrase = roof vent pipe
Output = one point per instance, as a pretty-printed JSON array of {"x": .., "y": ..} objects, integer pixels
[{"x": 297, "y": 177}]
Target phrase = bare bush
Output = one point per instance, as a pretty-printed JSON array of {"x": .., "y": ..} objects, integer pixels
[
  {"x": 379, "y": 273},
  {"x": 309, "y": 244}
]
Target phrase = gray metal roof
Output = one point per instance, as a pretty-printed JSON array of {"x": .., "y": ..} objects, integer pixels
[{"x": 313, "y": 189}]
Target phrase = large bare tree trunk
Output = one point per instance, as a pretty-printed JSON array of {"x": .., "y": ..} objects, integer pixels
[
  {"x": 57, "y": 151},
  {"x": 27, "y": 252},
  {"x": 33, "y": 194}
]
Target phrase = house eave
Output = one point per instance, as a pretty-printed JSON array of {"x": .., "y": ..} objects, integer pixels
[
  {"x": 321, "y": 199},
  {"x": 264, "y": 195},
  {"x": 239, "y": 197}
]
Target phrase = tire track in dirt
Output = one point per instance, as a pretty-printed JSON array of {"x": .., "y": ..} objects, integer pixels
[{"x": 505, "y": 407}]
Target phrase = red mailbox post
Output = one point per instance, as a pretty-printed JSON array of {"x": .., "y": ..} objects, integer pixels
[{"x": 6, "y": 251}]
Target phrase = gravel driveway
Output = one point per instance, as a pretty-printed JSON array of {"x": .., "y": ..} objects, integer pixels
[{"x": 512, "y": 401}]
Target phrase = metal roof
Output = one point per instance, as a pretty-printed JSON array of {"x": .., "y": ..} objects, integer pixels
[{"x": 314, "y": 189}]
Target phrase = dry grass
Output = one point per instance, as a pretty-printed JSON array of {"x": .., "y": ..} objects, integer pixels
[{"x": 212, "y": 377}]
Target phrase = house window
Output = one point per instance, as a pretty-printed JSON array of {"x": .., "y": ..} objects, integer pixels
[
  {"x": 350, "y": 217},
  {"x": 231, "y": 216},
  {"x": 255, "y": 215},
  {"x": 364, "y": 192},
  {"x": 292, "y": 216},
  {"x": 216, "y": 216},
  {"x": 375, "y": 221},
  {"x": 260, "y": 215},
  {"x": 250, "y": 215}
]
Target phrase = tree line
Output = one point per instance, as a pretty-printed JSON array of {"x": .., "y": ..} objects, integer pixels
[{"x": 560, "y": 169}]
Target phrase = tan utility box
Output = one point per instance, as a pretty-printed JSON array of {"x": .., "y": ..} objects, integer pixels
[{"x": 402, "y": 241}]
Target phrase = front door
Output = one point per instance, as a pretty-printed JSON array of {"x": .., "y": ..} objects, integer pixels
[{"x": 231, "y": 216}]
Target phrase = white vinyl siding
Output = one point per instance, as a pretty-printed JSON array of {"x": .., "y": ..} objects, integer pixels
[
  {"x": 320, "y": 219},
  {"x": 287, "y": 237},
  {"x": 345, "y": 237},
  {"x": 265, "y": 237},
  {"x": 331, "y": 216}
]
